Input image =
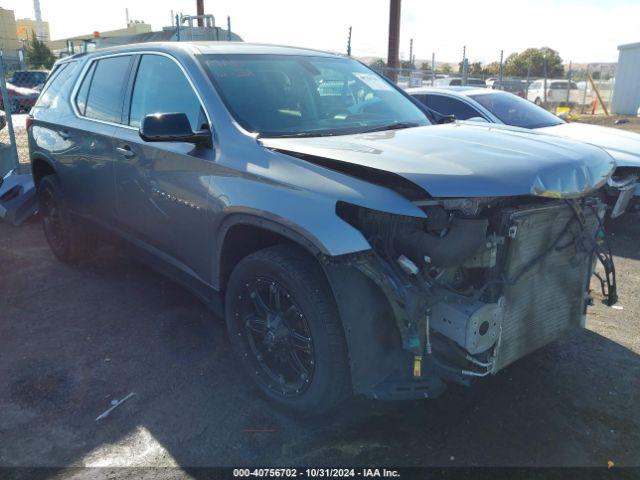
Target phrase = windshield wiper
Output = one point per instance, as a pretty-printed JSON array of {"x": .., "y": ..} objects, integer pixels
[
  {"x": 392, "y": 126},
  {"x": 297, "y": 135},
  {"x": 389, "y": 126}
]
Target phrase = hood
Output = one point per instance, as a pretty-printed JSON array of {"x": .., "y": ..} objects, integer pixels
[
  {"x": 622, "y": 145},
  {"x": 466, "y": 160}
]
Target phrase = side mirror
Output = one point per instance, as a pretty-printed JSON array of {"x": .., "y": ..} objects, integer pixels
[
  {"x": 446, "y": 119},
  {"x": 171, "y": 127}
]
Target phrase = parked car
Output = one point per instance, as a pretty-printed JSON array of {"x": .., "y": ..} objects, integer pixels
[
  {"x": 517, "y": 87},
  {"x": 507, "y": 109},
  {"x": 457, "y": 82},
  {"x": 556, "y": 92},
  {"x": 351, "y": 245},
  {"x": 22, "y": 99},
  {"x": 29, "y": 78}
]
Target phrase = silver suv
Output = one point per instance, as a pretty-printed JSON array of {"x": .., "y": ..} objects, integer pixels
[{"x": 352, "y": 244}]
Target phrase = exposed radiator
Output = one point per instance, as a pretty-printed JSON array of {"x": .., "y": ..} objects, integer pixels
[{"x": 548, "y": 299}]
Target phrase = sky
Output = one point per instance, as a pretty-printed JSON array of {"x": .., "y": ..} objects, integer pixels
[{"x": 581, "y": 30}]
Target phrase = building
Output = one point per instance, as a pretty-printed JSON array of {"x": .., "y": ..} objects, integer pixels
[
  {"x": 140, "y": 32},
  {"x": 9, "y": 43},
  {"x": 134, "y": 28},
  {"x": 626, "y": 90},
  {"x": 26, "y": 29}
]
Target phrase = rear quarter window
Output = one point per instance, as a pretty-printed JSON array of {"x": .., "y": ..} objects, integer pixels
[{"x": 58, "y": 86}]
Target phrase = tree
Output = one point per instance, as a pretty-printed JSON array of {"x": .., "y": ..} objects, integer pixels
[
  {"x": 39, "y": 55},
  {"x": 406, "y": 64},
  {"x": 476, "y": 68},
  {"x": 378, "y": 64},
  {"x": 446, "y": 68},
  {"x": 517, "y": 64},
  {"x": 425, "y": 67},
  {"x": 492, "y": 68}
]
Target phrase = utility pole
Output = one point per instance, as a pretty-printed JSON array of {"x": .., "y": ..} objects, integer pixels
[
  {"x": 200, "y": 12},
  {"x": 411, "y": 51},
  {"x": 569, "y": 75},
  {"x": 501, "y": 67},
  {"x": 544, "y": 69},
  {"x": 228, "y": 28},
  {"x": 433, "y": 68},
  {"x": 464, "y": 65},
  {"x": 394, "y": 39},
  {"x": 349, "y": 43}
]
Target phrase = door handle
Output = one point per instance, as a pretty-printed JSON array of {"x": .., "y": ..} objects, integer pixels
[{"x": 126, "y": 151}]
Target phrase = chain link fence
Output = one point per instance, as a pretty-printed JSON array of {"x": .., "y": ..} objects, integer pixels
[
  {"x": 19, "y": 91},
  {"x": 585, "y": 90},
  {"x": 582, "y": 91}
]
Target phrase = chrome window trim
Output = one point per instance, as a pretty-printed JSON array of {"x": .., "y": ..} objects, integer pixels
[{"x": 87, "y": 67}]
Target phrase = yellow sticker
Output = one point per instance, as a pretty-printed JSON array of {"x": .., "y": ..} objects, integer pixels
[{"x": 417, "y": 366}]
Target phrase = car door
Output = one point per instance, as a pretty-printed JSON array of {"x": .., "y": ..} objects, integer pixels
[
  {"x": 451, "y": 106},
  {"x": 87, "y": 164},
  {"x": 163, "y": 187}
]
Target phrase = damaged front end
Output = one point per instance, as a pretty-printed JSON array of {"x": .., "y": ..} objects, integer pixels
[
  {"x": 466, "y": 291},
  {"x": 622, "y": 187}
]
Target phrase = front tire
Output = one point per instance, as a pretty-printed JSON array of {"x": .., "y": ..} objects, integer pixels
[
  {"x": 69, "y": 241},
  {"x": 284, "y": 326}
]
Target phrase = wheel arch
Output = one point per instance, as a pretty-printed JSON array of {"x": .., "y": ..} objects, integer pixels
[
  {"x": 40, "y": 168},
  {"x": 241, "y": 234},
  {"x": 373, "y": 339}
]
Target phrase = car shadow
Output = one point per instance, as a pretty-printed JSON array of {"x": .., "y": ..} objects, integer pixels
[
  {"x": 75, "y": 338},
  {"x": 626, "y": 232}
]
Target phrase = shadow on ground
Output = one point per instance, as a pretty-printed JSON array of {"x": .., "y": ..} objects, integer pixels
[{"x": 74, "y": 338}]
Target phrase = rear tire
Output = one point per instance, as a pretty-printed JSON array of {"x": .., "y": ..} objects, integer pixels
[
  {"x": 538, "y": 102},
  {"x": 68, "y": 239},
  {"x": 284, "y": 326}
]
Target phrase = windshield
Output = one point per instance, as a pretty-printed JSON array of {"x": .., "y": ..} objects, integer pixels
[
  {"x": 291, "y": 95},
  {"x": 516, "y": 111}
]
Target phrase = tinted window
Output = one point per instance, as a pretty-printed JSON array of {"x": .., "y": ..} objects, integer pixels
[
  {"x": 60, "y": 81},
  {"x": 161, "y": 87},
  {"x": 559, "y": 85},
  {"x": 81, "y": 97},
  {"x": 451, "y": 106},
  {"x": 513, "y": 110},
  {"x": 104, "y": 101},
  {"x": 280, "y": 95}
]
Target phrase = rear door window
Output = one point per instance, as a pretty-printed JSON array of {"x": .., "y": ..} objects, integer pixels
[
  {"x": 106, "y": 89},
  {"x": 451, "y": 106},
  {"x": 83, "y": 92},
  {"x": 559, "y": 85}
]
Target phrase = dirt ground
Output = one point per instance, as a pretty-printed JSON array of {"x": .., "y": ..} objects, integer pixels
[
  {"x": 72, "y": 339},
  {"x": 625, "y": 122}
]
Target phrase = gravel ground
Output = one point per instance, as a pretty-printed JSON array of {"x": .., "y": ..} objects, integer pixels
[
  {"x": 625, "y": 122},
  {"x": 72, "y": 339}
]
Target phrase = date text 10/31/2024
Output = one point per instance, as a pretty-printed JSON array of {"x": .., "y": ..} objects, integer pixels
[{"x": 316, "y": 473}]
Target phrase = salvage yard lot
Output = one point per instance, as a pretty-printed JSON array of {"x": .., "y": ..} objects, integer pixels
[{"x": 74, "y": 338}]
